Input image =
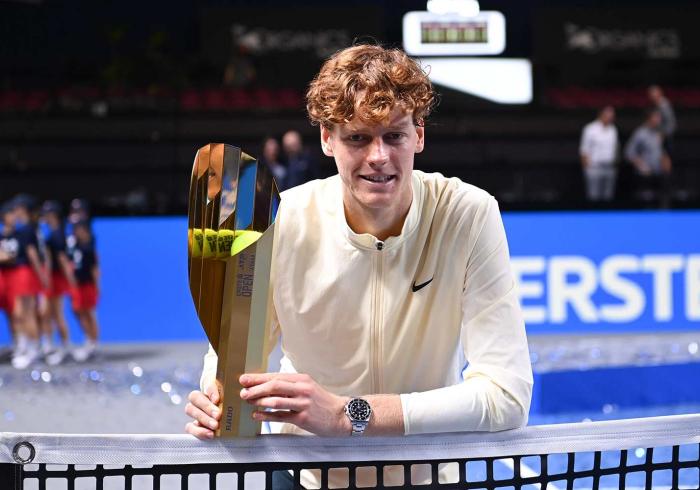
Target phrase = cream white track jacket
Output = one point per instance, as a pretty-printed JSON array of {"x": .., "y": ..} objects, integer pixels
[{"x": 405, "y": 315}]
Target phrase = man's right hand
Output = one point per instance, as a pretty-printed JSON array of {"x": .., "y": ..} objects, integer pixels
[{"x": 205, "y": 412}]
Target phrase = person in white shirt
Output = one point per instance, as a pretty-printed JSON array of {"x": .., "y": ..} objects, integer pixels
[
  {"x": 598, "y": 151},
  {"x": 387, "y": 281}
]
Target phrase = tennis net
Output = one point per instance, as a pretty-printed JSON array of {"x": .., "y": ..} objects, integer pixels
[{"x": 656, "y": 452}]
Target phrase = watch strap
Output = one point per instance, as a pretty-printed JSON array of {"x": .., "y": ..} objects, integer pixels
[{"x": 358, "y": 427}]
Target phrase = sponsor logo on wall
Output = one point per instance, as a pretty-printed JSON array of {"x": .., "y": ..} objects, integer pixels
[
  {"x": 662, "y": 43},
  {"x": 622, "y": 288}
]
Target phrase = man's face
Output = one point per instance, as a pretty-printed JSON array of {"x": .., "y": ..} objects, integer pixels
[
  {"x": 654, "y": 120},
  {"x": 375, "y": 160},
  {"x": 655, "y": 94},
  {"x": 607, "y": 115},
  {"x": 291, "y": 142}
]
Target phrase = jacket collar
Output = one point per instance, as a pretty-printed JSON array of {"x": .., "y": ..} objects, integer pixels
[{"x": 365, "y": 240}]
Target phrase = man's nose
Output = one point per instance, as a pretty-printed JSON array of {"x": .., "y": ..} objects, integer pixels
[{"x": 378, "y": 154}]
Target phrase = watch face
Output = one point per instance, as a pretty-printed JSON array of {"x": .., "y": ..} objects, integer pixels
[{"x": 359, "y": 409}]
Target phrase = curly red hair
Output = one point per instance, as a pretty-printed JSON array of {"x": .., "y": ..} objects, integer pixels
[{"x": 367, "y": 81}]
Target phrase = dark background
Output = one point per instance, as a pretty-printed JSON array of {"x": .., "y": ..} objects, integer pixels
[{"x": 109, "y": 100}]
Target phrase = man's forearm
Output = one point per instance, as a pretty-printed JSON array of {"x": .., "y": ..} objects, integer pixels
[{"x": 387, "y": 416}]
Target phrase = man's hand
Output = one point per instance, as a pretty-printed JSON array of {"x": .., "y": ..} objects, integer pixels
[
  {"x": 666, "y": 164},
  {"x": 642, "y": 167},
  {"x": 205, "y": 412},
  {"x": 584, "y": 160},
  {"x": 298, "y": 400}
]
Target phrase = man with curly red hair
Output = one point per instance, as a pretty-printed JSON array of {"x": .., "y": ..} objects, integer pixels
[{"x": 388, "y": 282}]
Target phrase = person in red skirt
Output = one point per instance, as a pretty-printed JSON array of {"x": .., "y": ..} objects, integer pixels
[
  {"x": 5, "y": 256},
  {"x": 86, "y": 292},
  {"x": 62, "y": 279},
  {"x": 24, "y": 276}
]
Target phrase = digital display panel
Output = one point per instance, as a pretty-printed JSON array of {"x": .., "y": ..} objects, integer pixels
[
  {"x": 429, "y": 34},
  {"x": 454, "y": 32}
]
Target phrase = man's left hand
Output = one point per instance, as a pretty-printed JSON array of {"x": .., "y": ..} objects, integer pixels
[{"x": 297, "y": 399}]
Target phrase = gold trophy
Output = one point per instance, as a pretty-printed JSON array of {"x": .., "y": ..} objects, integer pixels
[{"x": 233, "y": 201}]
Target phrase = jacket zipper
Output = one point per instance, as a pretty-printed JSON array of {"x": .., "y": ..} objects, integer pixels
[{"x": 375, "y": 327}]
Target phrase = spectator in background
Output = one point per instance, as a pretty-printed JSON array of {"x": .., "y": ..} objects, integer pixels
[
  {"x": 668, "y": 117},
  {"x": 271, "y": 156},
  {"x": 85, "y": 294},
  {"x": 301, "y": 167},
  {"x": 645, "y": 150},
  {"x": 598, "y": 151}
]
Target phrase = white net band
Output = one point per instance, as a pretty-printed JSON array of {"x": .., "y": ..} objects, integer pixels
[{"x": 185, "y": 449}]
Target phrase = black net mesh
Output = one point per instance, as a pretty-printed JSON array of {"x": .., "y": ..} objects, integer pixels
[{"x": 669, "y": 467}]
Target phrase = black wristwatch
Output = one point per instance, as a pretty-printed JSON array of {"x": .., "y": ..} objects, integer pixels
[{"x": 359, "y": 413}]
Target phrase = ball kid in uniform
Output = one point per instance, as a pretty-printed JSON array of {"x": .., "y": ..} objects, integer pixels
[
  {"x": 24, "y": 276},
  {"x": 62, "y": 278},
  {"x": 84, "y": 295}
]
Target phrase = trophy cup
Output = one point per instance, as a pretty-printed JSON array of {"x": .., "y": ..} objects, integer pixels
[{"x": 233, "y": 202}]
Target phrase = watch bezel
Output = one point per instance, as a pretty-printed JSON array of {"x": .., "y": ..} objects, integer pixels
[{"x": 351, "y": 410}]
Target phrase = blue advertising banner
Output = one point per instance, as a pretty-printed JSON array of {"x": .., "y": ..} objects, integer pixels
[
  {"x": 607, "y": 271},
  {"x": 577, "y": 272}
]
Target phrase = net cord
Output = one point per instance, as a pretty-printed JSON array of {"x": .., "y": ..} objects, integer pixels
[{"x": 140, "y": 449}]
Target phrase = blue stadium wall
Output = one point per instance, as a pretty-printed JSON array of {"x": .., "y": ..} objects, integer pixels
[{"x": 578, "y": 272}]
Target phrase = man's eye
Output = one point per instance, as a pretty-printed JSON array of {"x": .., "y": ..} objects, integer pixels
[
  {"x": 356, "y": 137},
  {"x": 395, "y": 136}
]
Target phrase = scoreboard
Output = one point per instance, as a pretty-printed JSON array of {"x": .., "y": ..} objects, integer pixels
[
  {"x": 429, "y": 34},
  {"x": 462, "y": 52}
]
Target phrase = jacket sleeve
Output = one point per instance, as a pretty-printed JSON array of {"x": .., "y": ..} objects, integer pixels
[
  {"x": 497, "y": 387},
  {"x": 209, "y": 370}
]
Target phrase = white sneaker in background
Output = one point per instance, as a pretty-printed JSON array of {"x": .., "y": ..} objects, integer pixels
[
  {"x": 46, "y": 346},
  {"x": 20, "y": 344},
  {"x": 85, "y": 351},
  {"x": 57, "y": 356},
  {"x": 22, "y": 360}
]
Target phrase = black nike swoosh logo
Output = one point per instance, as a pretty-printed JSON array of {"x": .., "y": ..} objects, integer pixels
[{"x": 421, "y": 286}]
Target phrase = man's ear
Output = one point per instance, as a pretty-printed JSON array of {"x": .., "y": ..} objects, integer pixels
[
  {"x": 420, "y": 143},
  {"x": 326, "y": 141}
]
